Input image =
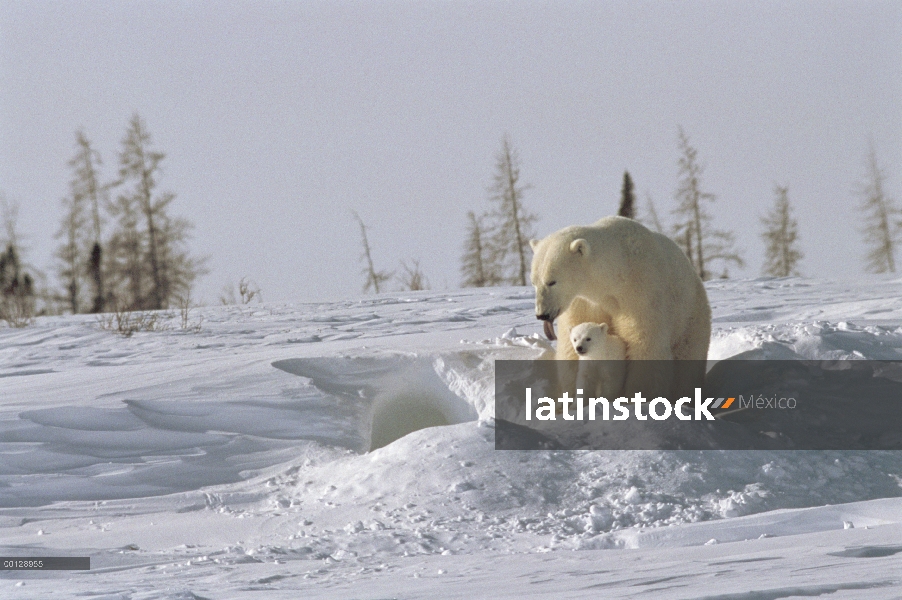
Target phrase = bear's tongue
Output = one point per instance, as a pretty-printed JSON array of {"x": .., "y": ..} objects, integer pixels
[{"x": 549, "y": 330}]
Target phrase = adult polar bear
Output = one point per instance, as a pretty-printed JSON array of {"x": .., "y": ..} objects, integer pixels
[{"x": 639, "y": 282}]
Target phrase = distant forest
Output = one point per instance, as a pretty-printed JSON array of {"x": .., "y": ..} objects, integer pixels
[
  {"x": 496, "y": 245},
  {"x": 122, "y": 250}
]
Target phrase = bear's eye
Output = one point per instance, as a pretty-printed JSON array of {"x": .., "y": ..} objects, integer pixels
[
  {"x": 588, "y": 339},
  {"x": 551, "y": 283}
]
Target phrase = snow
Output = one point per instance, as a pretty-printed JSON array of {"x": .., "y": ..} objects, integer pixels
[{"x": 346, "y": 450}]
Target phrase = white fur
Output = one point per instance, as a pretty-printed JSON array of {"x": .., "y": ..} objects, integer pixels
[
  {"x": 640, "y": 283},
  {"x": 602, "y": 366}
]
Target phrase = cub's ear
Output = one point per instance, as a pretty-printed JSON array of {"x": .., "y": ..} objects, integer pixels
[
  {"x": 533, "y": 244},
  {"x": 603, "y": 327},
  {"x": 580, "y": 247}
]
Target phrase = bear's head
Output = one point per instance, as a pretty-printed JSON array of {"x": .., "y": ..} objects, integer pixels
[
  {"x": 588, "y": 336},
  {"x": 558, "y": 273}
]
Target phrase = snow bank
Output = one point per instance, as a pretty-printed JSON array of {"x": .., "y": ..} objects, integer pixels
[{"x": 338, "y": 439}]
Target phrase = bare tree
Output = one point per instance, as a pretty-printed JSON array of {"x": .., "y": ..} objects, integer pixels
[
  {"x": 513, "y": 224},
  {"x": 247, "y": 291},
  {"x": 653, "y": 219},
  {"x": 479, "y": 264},
  {"x": 9, "y": 213},
  {"x": 882, "y": 226},
  {"x": 374, "y": 278},
  {"x": 412, "y": 277},
  {"x": 157, "y": 264},
  {"x": 627, "y": 198},
  {"x": 693, "y": 230},
  {"x": 781, "y": 236}
]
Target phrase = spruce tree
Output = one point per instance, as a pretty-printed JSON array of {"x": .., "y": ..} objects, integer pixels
[
  {"x": 627, "y": 198},
  {"x": 139, "y": 167},
  {"x": 81, "y": 252},
  {"x": 149, "y": 244},
  {"x": 86, "y": 185},
  {"x": 479, "y": 265},
  {"x": 512, "y": 223},
  {"x": 882, "y": 225},
  {"x": 693, "y": 230},
  {"x": 17, "y": 289},
  {"x": 126, "y": 256},
  {"x": 72, "y": 263},
  {"x": 781, "y": 238}
]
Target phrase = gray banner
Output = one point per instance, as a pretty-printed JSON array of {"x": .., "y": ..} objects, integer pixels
[
  {"x": 45, "y": 563},
  {"x": 664, "y": 405}
]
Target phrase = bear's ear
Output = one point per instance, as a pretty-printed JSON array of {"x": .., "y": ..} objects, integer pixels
[
  {"x": 533, "y": 244},
  {"x": 580, "y": 247},
  {"x": 603, "y": 327}
]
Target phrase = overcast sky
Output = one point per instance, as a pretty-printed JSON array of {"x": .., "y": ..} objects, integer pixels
[{"x": 279, "y": 118}]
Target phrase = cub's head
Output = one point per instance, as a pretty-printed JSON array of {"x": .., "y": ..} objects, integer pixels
[
  {"x": 588, "y": 337},
  {"x": 558, "y": 270}
]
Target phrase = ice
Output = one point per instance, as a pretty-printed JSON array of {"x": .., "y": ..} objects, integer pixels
[{"x": 346, "y": 450}]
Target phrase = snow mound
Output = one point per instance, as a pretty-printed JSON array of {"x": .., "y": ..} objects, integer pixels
[
  {"x": 818, "y": 340},
  {"x": 400, "y": 394}
]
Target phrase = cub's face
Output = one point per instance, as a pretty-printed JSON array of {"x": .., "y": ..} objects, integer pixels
[{"x": 587, "y": 337}]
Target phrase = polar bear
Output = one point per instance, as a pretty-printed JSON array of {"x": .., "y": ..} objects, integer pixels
[
  {"x": 640, "y": 283},
  {"x": 602, "y": 360}
]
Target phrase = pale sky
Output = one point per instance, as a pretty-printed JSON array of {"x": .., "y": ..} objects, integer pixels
[{"x": 280, "y": 118}]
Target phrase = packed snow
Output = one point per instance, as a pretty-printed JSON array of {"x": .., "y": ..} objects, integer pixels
[{"x": 346, "y": 450}]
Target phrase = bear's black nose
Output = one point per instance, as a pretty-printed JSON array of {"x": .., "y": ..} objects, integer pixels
[
  {"x": 580, "y": 350},
  {"x": 544, "y": 317}
]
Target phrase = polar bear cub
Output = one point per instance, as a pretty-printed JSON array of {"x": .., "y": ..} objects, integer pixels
[{"x": 602, "y": 360}]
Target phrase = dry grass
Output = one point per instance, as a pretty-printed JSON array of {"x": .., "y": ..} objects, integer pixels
[
  {"x": 126, "y": 322},
  {"x": 17, "y": 311},
  {"x": 185, "y": 306}
]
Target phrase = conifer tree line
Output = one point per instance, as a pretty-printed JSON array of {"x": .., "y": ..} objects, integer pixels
[
  {"x": 495, "y": 249},
  {"x": 120, "y": 248}
]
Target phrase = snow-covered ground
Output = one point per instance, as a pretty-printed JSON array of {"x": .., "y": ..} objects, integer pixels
[{"x": 235, "y": 462}]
